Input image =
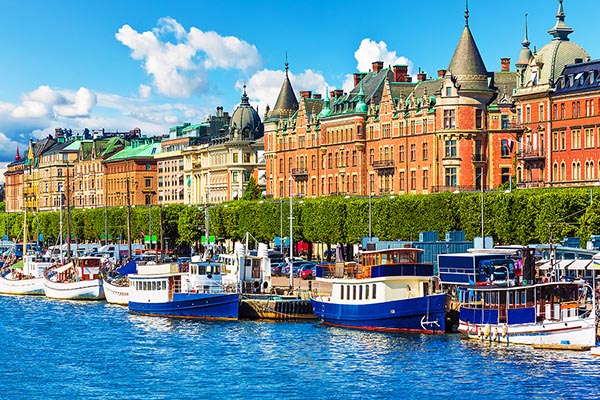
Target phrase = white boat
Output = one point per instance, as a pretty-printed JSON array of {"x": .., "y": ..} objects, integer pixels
[
  {"x": 26, "y": 277},
  {"x": 545, "y": 315},
  {"x": 116, "y": 283},
  {"x": 116, "y": 290},
  {"x": 77, "y": 280}
]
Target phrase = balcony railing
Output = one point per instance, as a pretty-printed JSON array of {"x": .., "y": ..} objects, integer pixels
[
  {"x": 534, "y": 154},
  {"x": 383, "y": 164},
  {"x": 299, "y": 171}
]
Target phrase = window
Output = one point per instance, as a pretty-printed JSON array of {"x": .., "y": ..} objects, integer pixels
[
  {"x": 450, "y": 148},
  {"x": 451, "y": 177},
  {"x": 449, "y": 119},
  {"x": 478, "y": 119}
]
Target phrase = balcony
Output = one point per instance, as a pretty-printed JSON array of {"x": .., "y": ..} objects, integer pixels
[
  {"x": 299, "y": 172},
  {"x": 531, "y": 155},
  {"x": 383, "y": 164}
]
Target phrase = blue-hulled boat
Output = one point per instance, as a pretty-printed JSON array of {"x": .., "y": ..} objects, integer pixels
[
  {"x": 388, "y": 291},
  {"x": 162, "y": 290}
]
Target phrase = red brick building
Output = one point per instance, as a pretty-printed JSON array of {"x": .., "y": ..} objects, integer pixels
[{"x": 393, "y": 135}]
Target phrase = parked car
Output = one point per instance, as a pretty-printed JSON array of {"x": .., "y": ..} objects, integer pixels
[
  {"x": 276, "y": 268},
  {"x": 296, "y": 265},
  {"x": 308, "y": 271}
]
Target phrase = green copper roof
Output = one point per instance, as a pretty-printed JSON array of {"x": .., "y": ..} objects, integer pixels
[{"x": 137, "y": 151}]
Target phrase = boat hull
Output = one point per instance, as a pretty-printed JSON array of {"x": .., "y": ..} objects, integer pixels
[
  {"x": 32, "y": 286},
  {"x": 422, "y": 314},
  {"x": 217, "y": 306},
  {"x": 80, "y": 290},
  {"x": 115, "y": 294},
  {"x": 275, "y": 307},
  {"x": 574, "y": 332}
]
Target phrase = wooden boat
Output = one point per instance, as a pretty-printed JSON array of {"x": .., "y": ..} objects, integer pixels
[
  {"x": 162, "y": 290},
  {"x": 77, "y": 280},
  {"x": 389, "y": 291},
  {"x": 25, "y": 277},
  {"x": 116, "y": 284},
  {"x": 546, "y": 315}
]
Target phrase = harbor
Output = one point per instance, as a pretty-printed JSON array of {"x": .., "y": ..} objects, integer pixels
[{"x": 85, "y": 350}]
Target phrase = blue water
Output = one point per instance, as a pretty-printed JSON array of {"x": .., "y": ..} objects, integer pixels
[{"x": 91, "y": 350}]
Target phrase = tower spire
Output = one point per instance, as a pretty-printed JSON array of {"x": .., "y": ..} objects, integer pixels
[
  {"x": 560, "y": 31},
  {"x": 526, "y": 41}
]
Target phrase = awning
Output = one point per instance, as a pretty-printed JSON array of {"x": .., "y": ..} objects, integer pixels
[
  {"x": 63, "y": 268},
  {"x": 579, "y": 265}
]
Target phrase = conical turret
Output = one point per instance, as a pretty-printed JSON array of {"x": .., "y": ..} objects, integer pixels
[
  {"x": 467, "y": 64},
  {"x": 286, "y": 103}
]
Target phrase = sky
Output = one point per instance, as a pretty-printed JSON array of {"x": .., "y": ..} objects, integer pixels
[{"x": 118, "y": 65}]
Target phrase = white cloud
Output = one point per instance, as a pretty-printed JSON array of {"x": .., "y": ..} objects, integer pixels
[
  {"x": 179, "y": 67},
  {"x": 264, "y": 86},
  {"x": 79, "y": 106},
  {"x": 370, "y": 51},
  {"x": 145, "y": 91}
]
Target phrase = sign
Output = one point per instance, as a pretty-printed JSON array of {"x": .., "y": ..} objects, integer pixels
[
  {"x": 211, "y": 239},
  {"x": 147, "y": 239}
]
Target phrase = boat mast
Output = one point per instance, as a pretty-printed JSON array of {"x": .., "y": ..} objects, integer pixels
[{"x": 291, "y": 237}]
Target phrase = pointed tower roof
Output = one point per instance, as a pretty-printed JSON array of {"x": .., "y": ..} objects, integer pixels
[
  {"x": 467, "y": 59},
  {"x": 560, "y": 31},
  {"x": 286, "y": 103},
  {"x": 525, "y": 54}
]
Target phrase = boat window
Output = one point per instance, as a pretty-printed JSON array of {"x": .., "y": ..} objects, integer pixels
[
  {"x": 341, "y": 292},
  {"x": 366, "y": 292},
  {"x": 374, "y": 291},
  {"x": 153, "y": 285},
  {"x": 353, "y": 292}
]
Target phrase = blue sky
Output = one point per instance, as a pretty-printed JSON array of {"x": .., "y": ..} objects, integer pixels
[{"x": 153, "y": 64}]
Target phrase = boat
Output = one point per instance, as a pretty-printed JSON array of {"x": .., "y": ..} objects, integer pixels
[
  {"x": 250, "y": 274},
  {"x": 544, "y": 315},
  {"x": 116, "y": 283},
  {"x": 390, "y": 290},
  {"x": 164, "y": 290},
  {"x": 25, "y": 277},
  {"x": 77, "y": 280}
]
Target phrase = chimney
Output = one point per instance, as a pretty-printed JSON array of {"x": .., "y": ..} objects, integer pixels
[
  {"x": 305, "y": 94},
  {"x": 421, "y": 76},
  {"x": 400, "y": 73},
  {"x": 358, "y": 77},
  {"x": 441, "y": 73},
  {"x": 505, "y": 63},
  {"x": 317, "y": 96},
  {"x": 377, "y": 66}
]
